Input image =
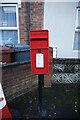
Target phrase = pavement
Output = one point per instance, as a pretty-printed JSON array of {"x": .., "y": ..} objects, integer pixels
[{"x": 59, "y": 101}]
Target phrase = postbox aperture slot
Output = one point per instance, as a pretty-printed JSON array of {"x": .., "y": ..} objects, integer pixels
[
  {"x": 38, "y": 38},
  {"x": 39, "y": 44}
]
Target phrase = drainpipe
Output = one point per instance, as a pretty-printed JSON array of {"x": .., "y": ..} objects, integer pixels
[{"x": 28, "y": 20}]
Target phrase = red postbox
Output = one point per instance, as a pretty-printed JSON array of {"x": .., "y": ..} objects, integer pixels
[{"x": 39, "y": 51}]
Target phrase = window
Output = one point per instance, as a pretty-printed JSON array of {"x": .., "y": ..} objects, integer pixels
[
  {"x": 77, "y": 19},
  {"x": 76, "y": 44},
  {"x": 9, "y": 27}
]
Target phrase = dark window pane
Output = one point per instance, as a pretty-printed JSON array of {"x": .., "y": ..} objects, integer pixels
[
  {"x": 8, "y": 17},
  {"x": 76, "y": 45},
  {"x": 10, "y": 36}
]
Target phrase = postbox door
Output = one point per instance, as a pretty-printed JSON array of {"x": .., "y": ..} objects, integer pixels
[{"x": 40, "y": 61}]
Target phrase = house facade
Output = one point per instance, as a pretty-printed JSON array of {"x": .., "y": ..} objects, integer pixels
[{"x": 17, "y": 18}]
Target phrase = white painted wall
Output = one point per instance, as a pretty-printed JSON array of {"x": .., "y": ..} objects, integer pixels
[
  {"x": 11, "y": 1},
  {"x": 59, "y": 19}
]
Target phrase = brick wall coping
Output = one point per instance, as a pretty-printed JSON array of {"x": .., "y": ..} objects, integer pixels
[
  {"x": 66, "y": 60},
  {"x": 14, "y": 64}
]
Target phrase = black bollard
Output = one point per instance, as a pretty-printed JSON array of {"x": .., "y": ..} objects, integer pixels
[
  {"x": 41, "y": 110},
  {"x": 40, "y": 92}
]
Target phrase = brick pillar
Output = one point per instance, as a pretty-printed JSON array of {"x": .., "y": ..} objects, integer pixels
[
  {"x": 48, "y": 78},
  {"x": 31, "y": 16},
  {"x": 36, "y": 15},
  {"x": 23, "y": 22}
]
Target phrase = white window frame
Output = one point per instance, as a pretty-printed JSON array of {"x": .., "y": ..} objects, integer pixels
[
  {"x": 17, "y": 18},
  {"x": 76, "y": 51},
  {"x": 77, "y": 19}
]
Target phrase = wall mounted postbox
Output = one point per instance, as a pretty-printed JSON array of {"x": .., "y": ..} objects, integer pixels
[{"x": 39, "y": 51}]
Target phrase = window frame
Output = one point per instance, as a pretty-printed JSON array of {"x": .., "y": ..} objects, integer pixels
[
  {"x": 76, "y": 28},
  {"x": 17, "y": 19},
  {"x": 77, "y": 19},
  {"x": 77, "y": 51}
]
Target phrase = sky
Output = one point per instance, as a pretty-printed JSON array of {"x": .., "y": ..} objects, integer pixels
[{"x": 60, "y": 20}]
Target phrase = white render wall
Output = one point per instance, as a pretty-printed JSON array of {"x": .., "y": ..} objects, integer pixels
[
  {"x": 60, "y": 19},
  {"x": 11, "y": 1}
]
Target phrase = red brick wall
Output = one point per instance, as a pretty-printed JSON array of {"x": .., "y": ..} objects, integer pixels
[
  {"x": 36, "y": 15},
  {"x": 30, "y": 17},
  {"x": 48, "y": 77},
  {"x": 23, "y": 23},
  {"x": 17, "y": 80}
]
